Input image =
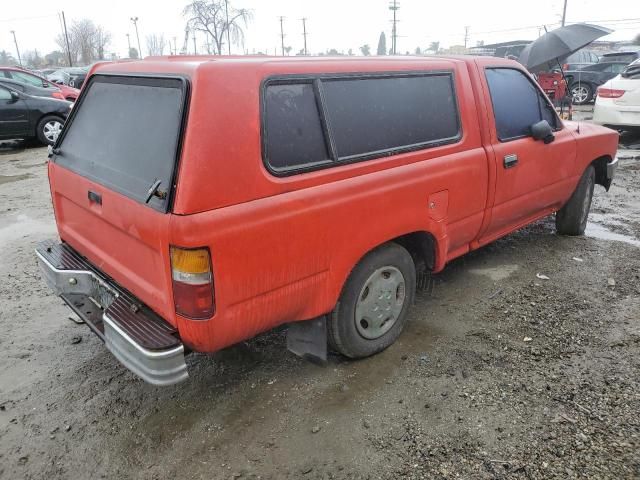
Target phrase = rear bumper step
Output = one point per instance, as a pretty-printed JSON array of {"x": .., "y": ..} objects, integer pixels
[{"x": 140, "y": 339}]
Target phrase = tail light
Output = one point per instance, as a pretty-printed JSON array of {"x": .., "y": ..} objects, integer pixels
[
  {"x": 58, "y": 95},
  {"x": 192, "y": 282},
  {"x": 610, "y": 93}
]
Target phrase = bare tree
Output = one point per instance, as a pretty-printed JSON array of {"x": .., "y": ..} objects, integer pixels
[
  {"x": 156, "y": 44},
  {"x": 6, "y": 58},
  {"x": 87, "y": 41},
  {"x": 33, "y": 59},
  {"x": 101, "y": 40},
  {"x": 210, "y": 17}
]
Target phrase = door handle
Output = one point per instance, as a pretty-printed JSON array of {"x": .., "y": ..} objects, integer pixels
[
  {"x": 94, "y": 197},
  {"x": 510, "y": 160}
]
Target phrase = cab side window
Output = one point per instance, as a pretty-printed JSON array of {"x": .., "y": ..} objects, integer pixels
[
  {"x": 5, "y": 94},
  {"x": 26, "y": 78},
  {"x": 517, "y": 103}
]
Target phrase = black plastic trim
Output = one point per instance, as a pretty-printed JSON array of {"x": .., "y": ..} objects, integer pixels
[
  {"x": 559, "y": 125},
  {"x": 152, "y": 79}
]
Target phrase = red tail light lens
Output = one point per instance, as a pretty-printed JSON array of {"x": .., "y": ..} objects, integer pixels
[
  {"x": 192, "y": 283},
  {"x": 58, "y": 95},
  {"x": 610, "y": 92}
]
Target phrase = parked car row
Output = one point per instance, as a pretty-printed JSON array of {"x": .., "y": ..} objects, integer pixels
[
  {"x": 27, "y": 116},
  {"x": 29, "y": 78},
  {"x": 71, "y": 76},
  {"x": 618, "y": 99}
]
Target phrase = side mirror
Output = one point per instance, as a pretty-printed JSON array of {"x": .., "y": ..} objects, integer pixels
[
  {"x": 542, "y": 131},
  {"x": 14, "y": 97}
]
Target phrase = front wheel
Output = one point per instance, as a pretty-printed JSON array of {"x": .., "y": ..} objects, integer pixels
[
  {"x": 372, "y": 309},
  {"x": 48, "y": 129},
  {"x": 572, "y": 218},
  {"x": 581, "y": 93}
]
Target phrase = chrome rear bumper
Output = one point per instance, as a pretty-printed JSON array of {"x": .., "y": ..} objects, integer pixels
[{"x": 136, "y": 336}]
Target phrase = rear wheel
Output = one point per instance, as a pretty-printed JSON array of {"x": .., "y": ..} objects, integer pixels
[
  {"x": 48, "y": 129},
  {"x": 372, "y": 309},
  {"x": 572, "y": 218},
  {"x": 581, "y": 93}
]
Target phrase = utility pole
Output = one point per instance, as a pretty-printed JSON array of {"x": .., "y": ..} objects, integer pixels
[
  {"x": 304, "y": 34},
  {"x": 175, "y": 46},
  {"x": 195, "y": 49},
  {"x": 466, "y": 36},
  {"x": 128, "y": 44},
  {"x": 282, "y": 35},
  {"x": 17, "y": 49},
  {"x": 394, "y": 7},
  {"x": 226, "y": 12},
  {"x": 135, "y": 23},
  {"x": 66, "y": 39},
  {"x": 564, "y": 12}
]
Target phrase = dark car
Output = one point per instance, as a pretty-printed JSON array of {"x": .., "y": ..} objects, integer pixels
[
  {"x": 625, "y": 56},
  {"x": 26, "y": 116},
  {"x": 32, "y": 89},
  {"x": 580, "y": 59},
  {"x": 78, "y": 78},
  {"x": 23, "y": 76},
  {"x": 583, "y": 83}
]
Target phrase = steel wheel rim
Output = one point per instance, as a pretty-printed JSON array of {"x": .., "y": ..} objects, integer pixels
[
  {"x": 380, "y": 302},
  {"x": 51, "y": 130},
  {"x": 580, "y": 94}
]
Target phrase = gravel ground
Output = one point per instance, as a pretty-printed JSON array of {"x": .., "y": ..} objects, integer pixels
[{"x": 522, "y": 361}]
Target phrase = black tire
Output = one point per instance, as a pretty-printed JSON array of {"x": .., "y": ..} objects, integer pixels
[
  {"x": 343, "y": 333},
  {"x": 586, "y": 93},
  {"x": 572, "y": 218},
  {"x": 42, "y": 125}
]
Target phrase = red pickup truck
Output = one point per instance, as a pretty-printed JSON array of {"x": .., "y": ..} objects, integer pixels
[{"x": 203, "y": 200}]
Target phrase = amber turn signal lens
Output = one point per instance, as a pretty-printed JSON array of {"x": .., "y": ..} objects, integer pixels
[{"x": 190, "y": 261}]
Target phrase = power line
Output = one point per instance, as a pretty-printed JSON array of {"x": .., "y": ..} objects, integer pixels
[
  {"x": 135, "y": 23},
  {"x": 66, "y": 38},
  {"x": 17, "y": 49},
  {"x": 282, "y": 35},
  {"x": 226, "y": 12},
  {"x": 394, "y": 7},
  {"x": 19, "y": 19},
  {"x": 304, "y": 34}
]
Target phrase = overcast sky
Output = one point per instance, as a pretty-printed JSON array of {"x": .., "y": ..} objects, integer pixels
[{"x": 339, "y": 24}]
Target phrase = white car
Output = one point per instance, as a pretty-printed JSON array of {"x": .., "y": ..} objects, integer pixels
[{"x": 618, "y": 100}]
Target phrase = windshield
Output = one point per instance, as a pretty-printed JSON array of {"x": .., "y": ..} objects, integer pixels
[{"x": 124, "y": 134}]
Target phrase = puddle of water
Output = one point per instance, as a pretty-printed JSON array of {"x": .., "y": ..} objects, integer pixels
[
  {"x": 22, "y": 225},
  {"x": 600, "y": 232},
  {"x": 496, "y": 273},
  {"x": 14, "y": 178}
]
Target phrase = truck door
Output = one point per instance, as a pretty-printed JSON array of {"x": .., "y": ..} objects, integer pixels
[
  {"x": 531, "y": 176},
  {"x": 14, "y": 117}
]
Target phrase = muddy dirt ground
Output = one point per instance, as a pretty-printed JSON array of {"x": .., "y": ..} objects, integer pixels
[{"x": 500, "y": 373}]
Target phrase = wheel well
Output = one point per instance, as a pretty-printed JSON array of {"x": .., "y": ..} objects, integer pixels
[
  {"x": 422, "y": 247},
  {"x": 600, "y": 166}
]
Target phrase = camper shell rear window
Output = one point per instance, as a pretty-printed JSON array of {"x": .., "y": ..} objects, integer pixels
[{"x": 124, "y": 133}]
